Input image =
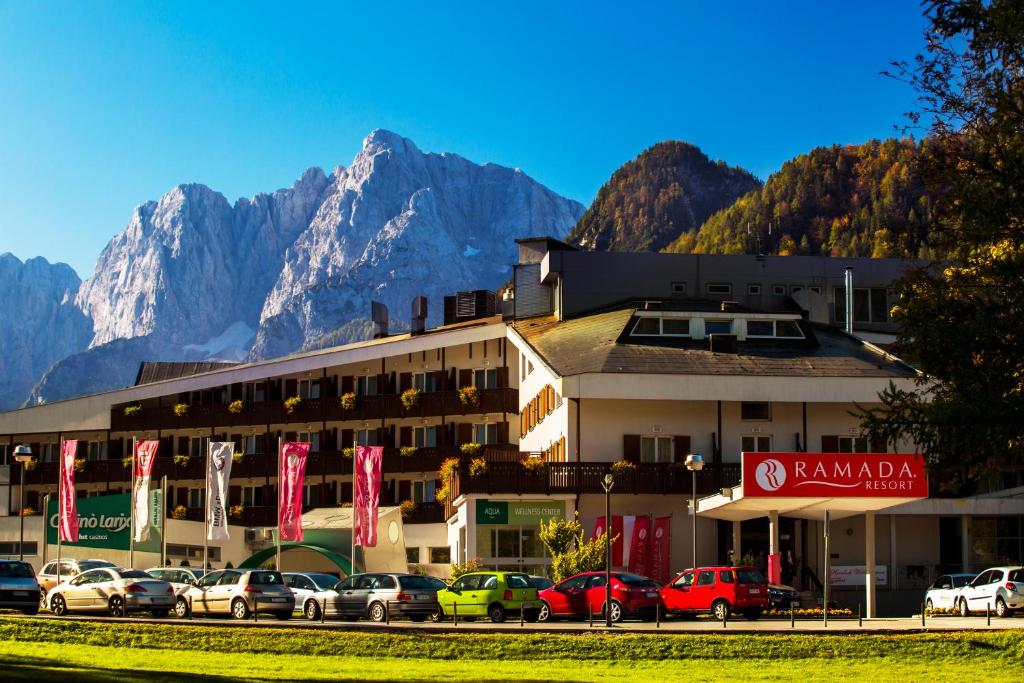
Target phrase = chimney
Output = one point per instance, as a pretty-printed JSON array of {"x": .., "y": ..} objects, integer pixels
[
  {"x": 379, "y": 316},
  {"x": 419, "y": 316},
  {"x": 723, "y": 343}
]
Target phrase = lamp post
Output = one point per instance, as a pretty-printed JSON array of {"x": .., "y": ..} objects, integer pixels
[
  {"x": 23, "y": 454},
  {"x": 607, "y": 484},
  {"x": 694, "y": 463}
]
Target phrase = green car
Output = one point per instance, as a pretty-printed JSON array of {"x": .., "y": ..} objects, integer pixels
[{"x": 490, "y": 594}]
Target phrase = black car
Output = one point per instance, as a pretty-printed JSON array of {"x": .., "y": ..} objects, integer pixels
[{"x": 783, "y": 597}]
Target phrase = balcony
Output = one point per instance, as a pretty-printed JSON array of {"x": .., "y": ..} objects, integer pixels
[{"x": 385, "y": 406}]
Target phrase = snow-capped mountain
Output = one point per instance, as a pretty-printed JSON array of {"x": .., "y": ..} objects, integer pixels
[
  {"x": 39, "y": 323},
  {"x": 194, "y": 277}
]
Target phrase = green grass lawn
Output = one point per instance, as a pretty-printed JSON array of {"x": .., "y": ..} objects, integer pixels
[{"x": 47, "y": 649}]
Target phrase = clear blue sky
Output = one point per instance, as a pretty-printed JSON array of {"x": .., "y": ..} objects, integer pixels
[{"x": 106, "y": 105}]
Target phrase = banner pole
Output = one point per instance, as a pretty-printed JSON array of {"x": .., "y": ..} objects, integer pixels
[
  {"x": 355, "y": 458},
  {"x": 206, "y": 509},
  {"x": 163, "y": 521},
  {"x": 60, "y": 506},
  {"x": 277, "y": 536},
  {"x": 131, "y": 503}
]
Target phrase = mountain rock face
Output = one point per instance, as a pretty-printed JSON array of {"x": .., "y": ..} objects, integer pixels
[
  {"x": 667, "y": 191},
  {"x": 39, "y": 322},
  {"x": 193, "y": 277}
]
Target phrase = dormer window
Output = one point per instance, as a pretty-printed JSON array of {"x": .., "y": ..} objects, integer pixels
[
  {"x": 661, "y": 327},
  {"x": 647, "y": 327},
  {"x": 717, "y": 327},
  {"x": 784, "y": 329}
]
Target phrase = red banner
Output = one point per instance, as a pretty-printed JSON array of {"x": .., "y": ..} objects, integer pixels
[
  {"x": 616, "y": 532},
  {"x": 640, "y": 547},
  {"x": 367, "y": 496},
  {"x": 661, "y": 550},
  {"x": 68, "y": 517},
  {"x": 145, "y": 456},
  {"x": 290, "y": 478},
  {"x": 834, "y": 475}
]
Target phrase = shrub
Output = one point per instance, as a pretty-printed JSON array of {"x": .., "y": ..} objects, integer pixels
[
  {"x": 182, "y": 460},
  {"x": 237, "y": 456},
  {"x": 449, "y": 467},
  {"x": 407, "y": 507},
  {"x": 470, "y": 449},
  {"x": 477, "y": 467},
  {"x": 465, "y": 568},
  {"x": 407, "y": 451},
  {"x": 348, "y": 453},
  {"x": 348, "y": 401},
  {"x": 31, "y": 465},
  {"x": 180, "y": 512},
  {"x": 346, "y": 505},
  {"x": 291, "y": 403},
  {"x": 236, "y": 511},
  {"x": 469, "y": 396},
  {"x": 534, "y": 465},
  {"x": 27, "y": 512},
  {"x": 570, "y": 554},
  {"x": 410, "y": 398},
  {"x": 79, "y": 464},
  {"x": 236, "y": 407},
  {"x": 127, "y": 461},
  {"x": 622, "y": 468},
  {"x": 180, "y": 409},
  {"x": 442, "y": 493},
  {"x": 132, "y": 410}
]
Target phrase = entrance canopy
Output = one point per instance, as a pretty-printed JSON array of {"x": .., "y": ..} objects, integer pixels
[{"x": 805, "y": 485}]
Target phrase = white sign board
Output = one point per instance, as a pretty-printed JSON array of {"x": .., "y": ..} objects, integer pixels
[{"x": 853, "y": 575}]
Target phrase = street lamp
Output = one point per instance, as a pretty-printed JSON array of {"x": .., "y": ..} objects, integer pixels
[
  {"x": 607, "y": 484},
  {"x": 23, "y": 455},
  {"x": 694, "y": 463}
]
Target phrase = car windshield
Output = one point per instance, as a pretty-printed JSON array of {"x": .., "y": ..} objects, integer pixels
[
  {"x": 517, "y": 581},
  {"x": 133, "y": 574},
  {"x": 961, "y": 581},
  {"x": 199, "y": 573},
  {"x": 749, "y": 576},
  {"x": 92, "y": 564},
  {"x": 322, "y": 581},
  {"x": 266, "y": 579},
  {"x": 1016, "y": 575},
  {"x": 636, "y": 581},
  {"x": 541, "y": 582},
  {"x": 436, "y": 583},
  {"x": 417, "y": 582},
  {"x": 16, "y": 570}
]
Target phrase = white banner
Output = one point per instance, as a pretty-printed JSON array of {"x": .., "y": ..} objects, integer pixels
[
  {"x": 145, "y": 456},
  {"x": 854, "y": 575},
  {"x": 218, "y": 472}
]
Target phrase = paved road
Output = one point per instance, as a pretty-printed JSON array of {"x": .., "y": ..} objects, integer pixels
[{"x": 763, "y": 625}]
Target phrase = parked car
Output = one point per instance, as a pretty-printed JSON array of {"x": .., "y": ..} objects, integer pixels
[
  {"x": 179, "y": 577},
  {"x": 440, "y": 585},
  {"x": 718, "y": 590},
  {"x": 541, "y": 582},
  {"x": 114, "y": 590},
  {"x": 377, "y": 596},
  {"x": 782, "y": 597},
  {"x": 305, "y": 584},
  {"x": 1000, "y": 589},
  {"x": 584, "y": 594},
  {"x": 945, "y": 592},
  {"x": 49, "y": 577},
  {"x": 19, "y": 588},
  {"x": 490, "y": 594},
  {"x": 238, "y": 592}
]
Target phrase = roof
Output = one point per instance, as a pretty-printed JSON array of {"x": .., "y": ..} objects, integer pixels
[
  {"x": 157, "y": 371},
  {"x": 596, "y": 343}
]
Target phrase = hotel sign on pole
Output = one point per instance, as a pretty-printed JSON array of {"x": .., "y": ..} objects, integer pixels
[{"x": 834, "y": 475}]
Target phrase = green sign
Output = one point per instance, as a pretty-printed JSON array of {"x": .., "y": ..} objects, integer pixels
[
  {"x": 105, "y": 521},
  {"x": 518, "y": 511}
]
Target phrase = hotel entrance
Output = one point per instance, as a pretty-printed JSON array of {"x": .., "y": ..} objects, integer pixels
[{"x": 508, "y": 533}]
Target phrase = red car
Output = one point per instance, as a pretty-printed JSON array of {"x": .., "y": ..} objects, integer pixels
[
  {"x": 718, "y": 590},
  {"x": 576, "y": 596}
]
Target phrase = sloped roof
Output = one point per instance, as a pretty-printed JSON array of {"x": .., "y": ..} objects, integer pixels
[{"x": 157, "y": 371}]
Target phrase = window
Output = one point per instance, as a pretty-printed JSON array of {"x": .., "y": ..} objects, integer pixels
[
  {"x": 367, "y": 437},
  {"x": 753, "y": 290},
  {"x": 869, "y": 305},
  {"x": 441, "y": 555},
  {"x": 760, "y": 328},
  {"x": 252, "y": 496},
  {"x": 424, "y": 491},
  {"x": 366, "y": 385},
  {"x": 424, "y": 437},
  {"x": 717, "y": 326},
  {"x": 412, "y": 555},
  {"x": 815, "y": 289},
  {"x": 718, "y": 288},
  {"x": 794, "y": 289},
  {"x": 756, "y": 444},
  {"x": 195, "y": 447},
  {"x": 853, "y": 444},
  {"x": 485, "y": 433},
  {"x": 675, "y": 327},
  {"x": 706, "y": 578},
  {"x": 684, "y": 580},
  {"x": 755, "y": 410},
  {"x": 11, "y": 548},
  {"x": 48, "y": 452},
  {"x": 485, "y": 378},
  {"x": 424, "y": 381},
  {"x": 656, "y": 449},
  {"x": 785, "y": 329},
  {"x": 647, "y": 327},
  {"x": 196, "y": 497},
  {"x": 779, "y": 290},
  {"x": 312, "y": 438},
  {"x": 312, "y": 494},
  {"x": 725, "y": 576},
  {"x": 679, "y": 288},
  {"x": 309, "y": 388},
  {"x": 997, "y": 540},
  {"x": 249, "y": 444},
  {"x": 97, "y": 450},
  {"x": 788, "y": 329}
]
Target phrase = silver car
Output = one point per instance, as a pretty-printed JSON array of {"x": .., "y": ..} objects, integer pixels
[
  {"x": 304, "y": 584},
  {"x": 238, "y": 592},
  {"x": 114, "y": 590},
  {"x": 377, "y": 596},
  {"x": 18, "y": 586}
]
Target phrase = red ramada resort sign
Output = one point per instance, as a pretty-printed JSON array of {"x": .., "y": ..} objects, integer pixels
[{"x": 834, "y": 475}]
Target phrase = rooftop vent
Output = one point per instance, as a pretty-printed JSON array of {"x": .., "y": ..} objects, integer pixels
[
  {"x": 379, "y": 316},
  {"x": 419, "y": 316},
  {"x": 480, "y": 303},
  {"x": 723, "y": 343}
]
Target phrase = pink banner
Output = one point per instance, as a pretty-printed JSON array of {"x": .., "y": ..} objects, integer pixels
[
  {"x": 660, "y": 550},
  {"x": 145, "y": 456},
  {"x": 68, "y": 518},
  {"x": 367, "y": 497},
  {"x": 616, "y": 533},
  {"x": 290, "y": 479},
  {"x": 640, "y": 548}
]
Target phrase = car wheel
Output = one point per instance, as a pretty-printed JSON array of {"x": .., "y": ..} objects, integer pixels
[
  {"x": 720, "y": 610},
  {"x": 181, "y": 608},
  {"x": 497, "y": 613},
  {"x": 160, "y": 613},
  {"x": 312, "y": 610},
  {"x": 239, "y": 610},
  {"x": 545, "y": 612},
  {"x": 377, "y": 612},
  {"x": 437, "y": 615},
  {"x": 751, "y": 614},
  {"x": 929, "y": 606},
  {"x": 615, "y": 612},
  {"x": 58, "y": 606},
  {"x": 964, "y": 612},
  {"x": 116, "y": 606},
  {"x": 1001, "y": 610}
]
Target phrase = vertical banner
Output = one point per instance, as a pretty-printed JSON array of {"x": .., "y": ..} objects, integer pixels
[
  {"x": 68, "y": 523},
  {"x": 660, "y": 546},
  {"x": 627, "y": 538},
  {"x": 145, "y": 456},
  {"x": 639, "y": 549},
  {"x": 218, "y": 472},
  {"x": 290, "y": 479},
  {"x": 616, "y": 533},
  {"x": 367, "y": 495}
]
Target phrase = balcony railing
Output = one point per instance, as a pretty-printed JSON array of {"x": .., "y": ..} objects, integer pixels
[{"x": 311, "y": 410}]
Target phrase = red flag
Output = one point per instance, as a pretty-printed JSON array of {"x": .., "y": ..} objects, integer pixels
[
  {"x": 367, "y": 496},
  {"x": 615, "y": 532},
  {"x": 639, "y": 549},
  {"x": 660, "y": 546},
  {"x": 290, "y": 478},
  {"x": 68, "y": 522},
  {"x": 145, "y": 456}
]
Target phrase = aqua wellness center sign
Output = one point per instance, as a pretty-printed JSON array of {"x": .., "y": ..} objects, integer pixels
[
  {"x": 519, "y": 511},
  {"x": 105, "y": 522}
]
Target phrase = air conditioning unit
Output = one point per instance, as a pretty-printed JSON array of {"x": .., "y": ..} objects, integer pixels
[
  {"x": 268, "y": 534},
  {"x": 250, "y": 535}
]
